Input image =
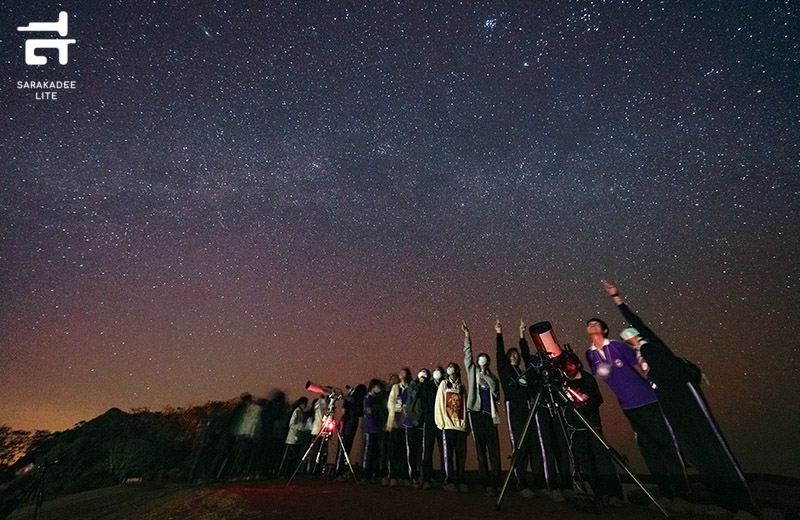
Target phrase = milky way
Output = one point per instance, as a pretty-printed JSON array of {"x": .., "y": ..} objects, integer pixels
[{"x": 234, "y": 199}]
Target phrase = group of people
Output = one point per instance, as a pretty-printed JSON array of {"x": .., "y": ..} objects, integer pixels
[{"x": 404, "y": 419}]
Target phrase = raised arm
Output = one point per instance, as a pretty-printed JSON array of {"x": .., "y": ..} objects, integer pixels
[
  {"x": 635, "y": 321},
  {"x": 524, "y": 349},
  {"x": 468, "y": 362},
  {"x": 502, "y": 361}
]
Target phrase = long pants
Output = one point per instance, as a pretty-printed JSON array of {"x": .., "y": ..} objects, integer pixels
[
  {"x": 455, "y": 455},
  {"x": 704, "y": 445},
  {"x": 398, "y": 462},
  {"x": 244, "y": 450},
  {"x": 413, "y": 451},
  {"x": 371, "y": 464},
  {"x": 517, "y": 415},
  {"x": 487, "y": 446},
  {"x": 595, "y": 464},
  {"x": 430, "y": 435},
  {"x": 291, "y": 456},
  {"x": 552, "y": 457},
  {"x": 658, "y": 449}
]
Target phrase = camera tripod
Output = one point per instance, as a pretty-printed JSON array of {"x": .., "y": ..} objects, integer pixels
[
  {"x": 324, "y": 435},
  {"x": 547, "y": 390}
]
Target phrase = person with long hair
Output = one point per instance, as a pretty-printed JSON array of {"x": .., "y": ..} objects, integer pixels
[
  {"x": 482, "y": 397},
  {"x": 401, "y": 431},
  {"x": 291, "y": 452},
  {"x": 374, "y": 423},
  {"x": 517, "y": 393}
]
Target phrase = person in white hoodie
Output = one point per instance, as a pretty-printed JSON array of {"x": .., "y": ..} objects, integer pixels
[
  {"x": 482, "y": 397},
  {"x": 450, "y": 414}
]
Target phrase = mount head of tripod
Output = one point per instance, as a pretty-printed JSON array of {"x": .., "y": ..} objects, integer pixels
[{"x": 555, "y": 363}]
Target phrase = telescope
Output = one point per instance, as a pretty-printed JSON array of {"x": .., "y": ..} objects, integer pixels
[
  {"x": 325, "y": 390},
  {"x": 318, "y": 389},
  {"x": 545, "y": 339}
]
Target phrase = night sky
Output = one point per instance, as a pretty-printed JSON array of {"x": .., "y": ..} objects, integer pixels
[{"x": 247, "y": 195}]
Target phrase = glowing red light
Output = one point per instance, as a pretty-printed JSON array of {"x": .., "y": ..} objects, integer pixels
[
  {"x": 577, "y": 395},
  {"x": 330, "y": 424}
]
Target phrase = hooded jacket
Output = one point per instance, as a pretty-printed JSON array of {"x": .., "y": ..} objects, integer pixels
[
  {"x": 450, "y": 410},
  {"x": 474, "y": 377}
]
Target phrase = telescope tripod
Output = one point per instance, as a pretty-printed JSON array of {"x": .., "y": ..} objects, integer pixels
[
  {"x": 550, "y": 392},
  {"x": 324, "y": 435}
]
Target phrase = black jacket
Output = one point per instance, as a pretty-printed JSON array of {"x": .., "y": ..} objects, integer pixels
[{"x": 515, "y": 381}]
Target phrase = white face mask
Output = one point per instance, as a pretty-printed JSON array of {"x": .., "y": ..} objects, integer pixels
[
  {"x": 451, "y": 371},
  {"x": 422, "y": 374},
  {"x": 437, "y": 374},
  {"x": 483, "y": 361},
  {"x": 376, "y": 389}
]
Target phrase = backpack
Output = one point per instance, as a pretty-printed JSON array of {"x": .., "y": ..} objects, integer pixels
[{"x": 693, "y": 372}]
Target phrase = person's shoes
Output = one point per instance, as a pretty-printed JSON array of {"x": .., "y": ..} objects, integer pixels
[
  {"x": 462, "y": 488},
  {"x": 385, "y": 481},
  {"x": 450, "y": 487},
  {"x": 392, "y": 482},
  {"x": 490, "y": 492},
  {"x": 415, "y": 484},
  {"x": 557, "y": 496},
  {"x": 426, "y": 485},
  {"x": 527, "y": 493},
  {"x": 542, "y": 493}
]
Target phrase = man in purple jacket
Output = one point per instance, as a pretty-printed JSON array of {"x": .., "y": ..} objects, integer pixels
[{"x": 616, "y": 364}]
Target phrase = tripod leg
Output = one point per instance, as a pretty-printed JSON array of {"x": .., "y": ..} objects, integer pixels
[
  {"x": 305, "y": 457},
  {"x": 522, "y": 438},
  {"x": 346, "y": 456},
  {"x": 567, "y": 438},
  {"x": 40, "y": 495},
  {"x": 614, "y": 454}
]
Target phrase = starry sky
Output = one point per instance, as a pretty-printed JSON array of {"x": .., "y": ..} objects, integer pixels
[{"x": 246, "y": 195}]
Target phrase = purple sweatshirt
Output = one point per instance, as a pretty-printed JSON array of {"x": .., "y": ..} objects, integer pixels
[{"x": 616, "y": 365}]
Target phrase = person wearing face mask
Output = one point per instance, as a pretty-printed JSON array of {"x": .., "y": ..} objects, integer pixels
[
  {"x": 482, "y": 396},
  {"x": 517, "y": 392},
  {"x": 414, "y": 433},
  {"x": 450, "y": 414},
  {"x": 374, "y": 421},
  {"x": 398, "y": 424},
  {"x": 431, "y": 433}
]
